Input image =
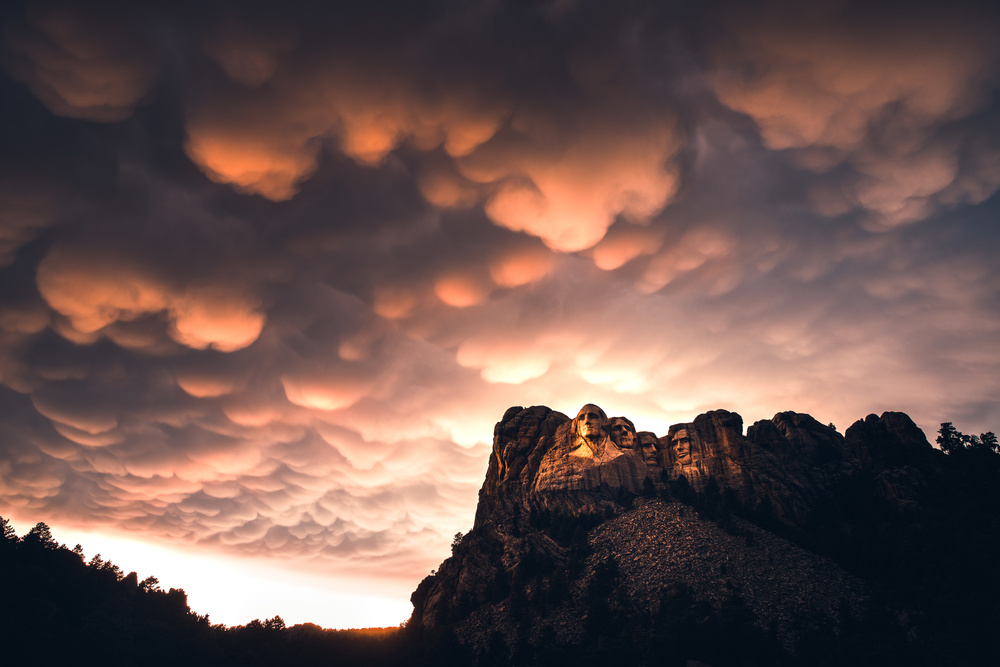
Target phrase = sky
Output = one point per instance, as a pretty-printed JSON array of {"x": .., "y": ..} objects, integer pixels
[{"x": 270, "y": 272}]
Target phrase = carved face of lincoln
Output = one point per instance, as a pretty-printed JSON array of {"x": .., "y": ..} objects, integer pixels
[
  {"x": 590, "y": 422},
  {"x": 682, "y": 444}
]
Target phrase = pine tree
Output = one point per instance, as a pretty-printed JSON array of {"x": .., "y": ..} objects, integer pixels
[
  {"x": 8, "y": 532},
  {"x": 41, "y": 535},
  {"x": 949, "y": 439}
]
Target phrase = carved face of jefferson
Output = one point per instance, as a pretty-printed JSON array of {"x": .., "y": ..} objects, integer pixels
[{"x": 622, "y": 432}]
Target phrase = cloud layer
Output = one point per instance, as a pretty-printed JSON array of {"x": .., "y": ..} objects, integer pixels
[{"x": 270, "y": 275}]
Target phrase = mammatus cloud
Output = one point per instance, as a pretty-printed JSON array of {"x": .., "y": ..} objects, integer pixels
[
  {"x": 873, "y": 92},
  {"x": 568, "y": 194},
  {"x": 267, "y": 141},
  {"x": 94, "y": 290},
  {"x": 79, "y": 64},
  {"x": 24, "y": 211},
  {"x": 278, "y": 311},
  {"x": 562, "y": 175}
]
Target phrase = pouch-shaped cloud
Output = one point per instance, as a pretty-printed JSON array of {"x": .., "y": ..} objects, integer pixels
[
  {"x": 868, "y": 89},
  {"x": 564, "y": 180},
  {"x": 503, "y": 359},
  {"x": 329, "y": 389},
  {"x": 215, "y": 316},
  {"x": 521, "y": 266},
  {"x": 96, "y": 289},
  {"x": 249, "y": 54},
  {"x": 267, "y": 141},
  {"x": 23, "y": 210},
  {"x": 78, "y": 64},
  {"x": 205, "y": 386},
  {"x": 817, "y": 79},
  {"x": 625, "y": 245},
  {"x": 461, "y": 288},
  {"x": 568, "y": 191}
]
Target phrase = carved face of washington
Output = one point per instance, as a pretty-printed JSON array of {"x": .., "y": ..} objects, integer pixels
[
  {"x": 592, "y": 441},
  {"x": 591, "y": 423}
]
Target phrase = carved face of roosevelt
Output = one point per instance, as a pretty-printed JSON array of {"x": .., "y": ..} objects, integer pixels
[{"x": 590, "y": 423}]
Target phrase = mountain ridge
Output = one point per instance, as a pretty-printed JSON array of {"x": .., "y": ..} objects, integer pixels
[{"x": 560, "y": 500}]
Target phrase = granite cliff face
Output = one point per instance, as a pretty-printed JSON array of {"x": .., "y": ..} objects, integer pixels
[
  {"x": 565, "y": 501},
  {"x": 791, "y": 463}
]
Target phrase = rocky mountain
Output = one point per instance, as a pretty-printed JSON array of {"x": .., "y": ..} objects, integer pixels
[{"x": 791, "y": 543}]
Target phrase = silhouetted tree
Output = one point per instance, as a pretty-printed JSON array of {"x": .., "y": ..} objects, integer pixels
[
  {"x": 40, "y": 536},
  {"x": 949, "y": 439},
  {"x": 971, "y": 442},
  {"x": 8, "y": 534},
  {"x": 149, "y": 584}
]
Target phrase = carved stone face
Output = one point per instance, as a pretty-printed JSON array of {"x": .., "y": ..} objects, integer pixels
[
  {"x": 622, "y": 433},
  {"x": 590, "y": 422},
  {"x": 682, "y": 446}
]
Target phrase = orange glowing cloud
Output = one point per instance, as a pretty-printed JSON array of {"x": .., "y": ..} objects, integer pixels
[
  {"x": 690, "y": 252},
  {"x": 87, "y": 437},
  {"x": 267, "y": 141},
  {"x": 96, "y": 290},
  {"x": 508, "y": 361},
  {"x": 521, "y": 266},
  {"x": 216, "y": 317},
  {"x": 616, "y": 249},
  {"x": 201, "y": 386},
  {"x": 93, "y": 293},
  {"x": 569, "y": 197},
  {"x": 395, "y": 302},
  {"x": 252, "y": 162},
  {"x": 820, "y": 81},
  {"x": 566, "y": 192},
  {"x": 446, "y": 189},
  {"x": 88, "y": 419},
  {"x": 79, "y": 65},
  {"x": 324, "y": 392},
  {"x": 461, "y": 290}
]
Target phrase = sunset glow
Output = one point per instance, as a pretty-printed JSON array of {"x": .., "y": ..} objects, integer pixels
[{"x": 269, "y": 275}]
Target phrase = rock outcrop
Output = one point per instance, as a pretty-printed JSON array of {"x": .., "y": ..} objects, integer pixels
[
  {"x": 565, "y": 497},
  {"x": 791, "y": 464}
]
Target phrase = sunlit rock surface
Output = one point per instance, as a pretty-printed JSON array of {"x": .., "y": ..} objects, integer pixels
[{"x": 563, "y": 496}]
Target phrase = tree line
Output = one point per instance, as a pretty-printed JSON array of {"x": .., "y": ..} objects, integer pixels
[
  {"x": 57, "y": 608},
  {"x": 952, "y": 441}
]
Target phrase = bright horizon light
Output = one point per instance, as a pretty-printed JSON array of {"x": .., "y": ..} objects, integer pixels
[{"x": 235, "y": 591}]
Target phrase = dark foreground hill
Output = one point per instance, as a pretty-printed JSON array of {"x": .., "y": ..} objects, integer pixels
[
  {"x": 594, "y": 544},
  {"x": 55, "y": 609}
]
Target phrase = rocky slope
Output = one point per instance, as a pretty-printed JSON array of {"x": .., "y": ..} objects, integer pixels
[{"x": 585, "y": 527}]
